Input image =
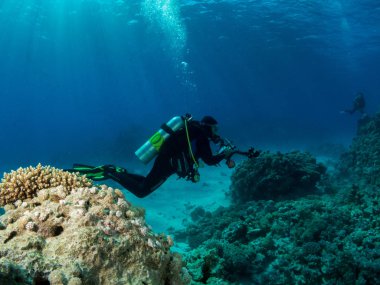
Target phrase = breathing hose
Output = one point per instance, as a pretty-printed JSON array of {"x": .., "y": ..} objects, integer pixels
[{"x": 189, "y": 144}]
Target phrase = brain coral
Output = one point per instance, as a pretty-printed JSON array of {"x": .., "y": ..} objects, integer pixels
[
  {"x": 275, "y": 176},
  {"x": 26, "y": 182},
  {"x": 85, "y": 236}
]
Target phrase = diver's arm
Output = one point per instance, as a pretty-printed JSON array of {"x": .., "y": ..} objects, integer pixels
[{"x": 205, "y": 153}]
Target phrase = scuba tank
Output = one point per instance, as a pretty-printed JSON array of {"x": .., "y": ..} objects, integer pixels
[{"x": 151, "y": 148}]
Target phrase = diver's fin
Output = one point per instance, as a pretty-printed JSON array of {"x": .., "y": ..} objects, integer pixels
[
  {"x": 96, "y": 173},
  {"x": 82, "y": 167}
]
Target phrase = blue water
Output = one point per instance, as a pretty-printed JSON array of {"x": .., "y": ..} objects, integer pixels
[{"x": 89, "y": 81}]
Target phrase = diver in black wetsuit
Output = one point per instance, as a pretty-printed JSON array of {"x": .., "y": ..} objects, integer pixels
[
  {"x": 357, "y": 106},
  {"x": 174, "y": 156}
]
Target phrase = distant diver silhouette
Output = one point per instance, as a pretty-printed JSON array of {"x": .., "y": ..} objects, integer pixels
[{"x": 358, "y": 105}]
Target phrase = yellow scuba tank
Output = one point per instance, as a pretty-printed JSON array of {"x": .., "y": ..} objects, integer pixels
[{"x": 151, "y": 148}]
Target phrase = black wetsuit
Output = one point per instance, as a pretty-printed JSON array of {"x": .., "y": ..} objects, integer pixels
[
  {"x": 174, "y": 157},
  {"x": 358, "y": 105}
]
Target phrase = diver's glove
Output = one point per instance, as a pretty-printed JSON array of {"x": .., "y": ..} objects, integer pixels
[{"x": 228, "y": 152}]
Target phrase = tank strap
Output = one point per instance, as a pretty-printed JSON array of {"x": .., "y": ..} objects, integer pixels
[{"x": 167, "y": 129}]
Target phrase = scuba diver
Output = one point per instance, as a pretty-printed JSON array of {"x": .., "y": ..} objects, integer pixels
[
  {"x": 179, "y": 145},
  {"x": 357, "y": 106}
]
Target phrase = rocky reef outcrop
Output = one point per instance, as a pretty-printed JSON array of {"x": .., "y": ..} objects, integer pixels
[
  {"x": 276, "y": 176},
  {"x": 82, "y": 235},
  {"x": 269, "y": 237},
  {"x": 313, "y": 240},
  {"x": 362, "y": 161}
]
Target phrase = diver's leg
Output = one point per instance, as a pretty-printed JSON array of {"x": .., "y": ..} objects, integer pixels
[
  {"x": 142, "y": 186},
  {"x": 132, "y": 182},
  {"x": 160, "y": 172}
]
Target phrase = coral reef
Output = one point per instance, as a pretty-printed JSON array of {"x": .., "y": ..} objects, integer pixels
[
  {"x": 276, "y": 176},
  {"x": 26, "y": 182},
  {"x": 88, "y": 235},
  {"x": 362, "y": 162},
  {"x": 329, "y": 239}
]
